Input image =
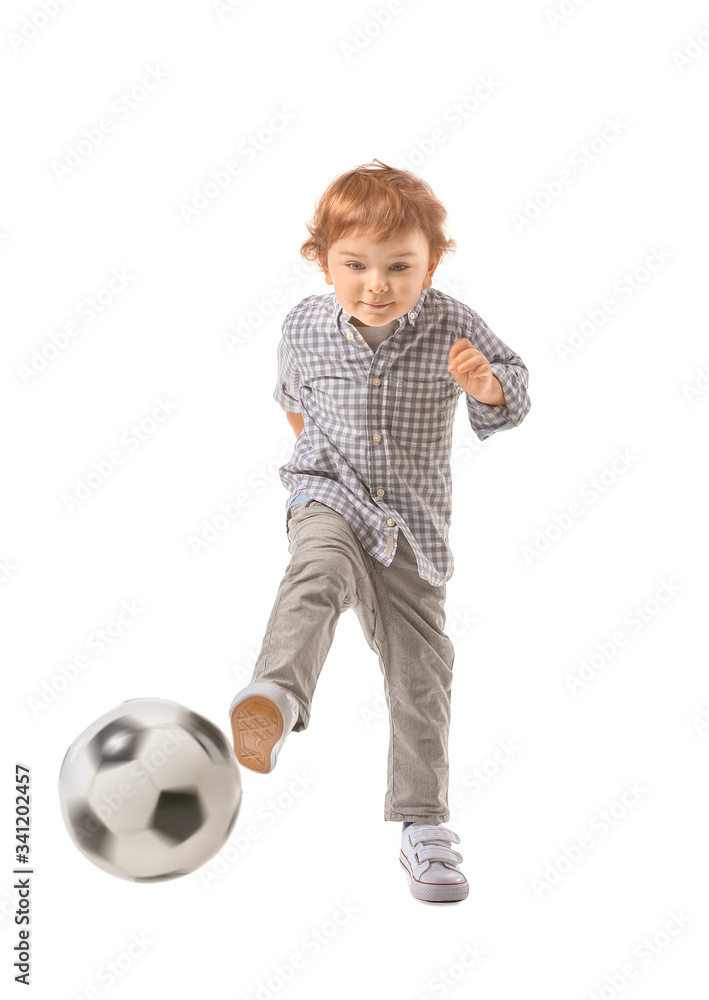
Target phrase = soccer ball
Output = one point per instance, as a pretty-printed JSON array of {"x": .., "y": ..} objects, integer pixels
[{"x": 150, "y": 791}]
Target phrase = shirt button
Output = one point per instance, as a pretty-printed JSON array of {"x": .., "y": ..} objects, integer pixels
[
  {"x": 411, "y": 316},
  {"x": 377, "y": 438},
  {"x": 390, "y": 522},
  {"x": 350, "y": 335},
  {"x": 376, "y": 381},
  {"x": 380, "y": 492}
]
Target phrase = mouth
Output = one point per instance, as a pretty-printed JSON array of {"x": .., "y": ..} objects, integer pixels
[{"x": 377, "y": 305}]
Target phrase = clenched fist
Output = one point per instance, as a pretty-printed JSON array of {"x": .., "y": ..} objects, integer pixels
[{"x": 471, "y": 370}]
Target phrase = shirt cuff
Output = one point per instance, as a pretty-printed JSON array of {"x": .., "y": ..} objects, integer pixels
[
  {"x": 487, "y": 419},
  {"x": 286, "y": 401}
]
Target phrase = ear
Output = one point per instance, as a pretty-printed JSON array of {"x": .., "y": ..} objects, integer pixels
[
  {"x": 328, "y": 276},
  {"x": 431, "y": 269}
]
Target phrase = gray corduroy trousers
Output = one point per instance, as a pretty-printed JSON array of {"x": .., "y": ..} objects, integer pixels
[{"x": 402, "y": 617}]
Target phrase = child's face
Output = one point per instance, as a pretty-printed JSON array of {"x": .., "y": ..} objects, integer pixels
[{"x": 392, "y": 273}]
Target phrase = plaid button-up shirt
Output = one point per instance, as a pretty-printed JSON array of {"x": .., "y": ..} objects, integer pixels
[{"x": 378, "y": 427}]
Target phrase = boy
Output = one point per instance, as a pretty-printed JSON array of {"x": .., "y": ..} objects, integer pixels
[{"x": 370, "y": 377}]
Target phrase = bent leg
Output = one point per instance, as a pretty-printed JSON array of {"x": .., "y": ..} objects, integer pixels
[{"x": 320, "y": 583}]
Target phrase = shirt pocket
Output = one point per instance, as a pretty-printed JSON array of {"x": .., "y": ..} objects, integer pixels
[{"x": 423, "y": 416}]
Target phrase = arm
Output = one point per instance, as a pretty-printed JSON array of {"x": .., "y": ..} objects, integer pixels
[
  {"x": 296, "y": 421},
  {"x": 505, "y": 401},
  {"x": 288, "y": 384}
]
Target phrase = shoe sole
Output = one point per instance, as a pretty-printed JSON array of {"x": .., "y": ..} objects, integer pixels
[
  {"x": 257, "y": 725},
  {"x": 443, "y": 892}
]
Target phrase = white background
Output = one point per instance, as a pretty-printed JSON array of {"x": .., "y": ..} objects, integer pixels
[{"x": 198, "y": 323}]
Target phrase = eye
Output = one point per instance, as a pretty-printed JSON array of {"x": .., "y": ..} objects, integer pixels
[{"x": 356, "y": 266}]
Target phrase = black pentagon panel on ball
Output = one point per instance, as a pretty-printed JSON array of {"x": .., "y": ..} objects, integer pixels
[
  {"x": 90, "y": 832},
  {"x": 117, "y": 742},
  {"x": 208, "y": 736},
  {"x": 178, "y": 814}
]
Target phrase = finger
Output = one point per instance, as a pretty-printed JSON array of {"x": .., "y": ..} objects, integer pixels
[
  {"x": 474, "y": 364},
  {"x": 459, "y": 360},
  {"x": 467, "y": 361},
  {"x": 457, "y": 348}
]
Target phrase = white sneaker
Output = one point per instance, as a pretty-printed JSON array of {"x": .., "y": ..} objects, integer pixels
[
  {"x": 262, "y": 714},
  {"x": 430, "y": 862}
]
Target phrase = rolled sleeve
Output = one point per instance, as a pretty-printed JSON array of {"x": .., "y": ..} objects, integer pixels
[
  {"x": 288, "y": 386},
  {"x": 512, "y": 374}
]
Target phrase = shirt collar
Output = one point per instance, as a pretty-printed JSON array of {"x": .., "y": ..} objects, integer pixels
[{"x": 411, "y": 315}]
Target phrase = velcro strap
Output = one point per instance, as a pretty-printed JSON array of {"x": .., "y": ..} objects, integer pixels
[
  {"x": 425, "y": 832},
  {"x": 434, "y": 852}
]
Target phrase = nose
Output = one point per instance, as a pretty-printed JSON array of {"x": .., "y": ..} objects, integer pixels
[{"x": 376, "y": 282}]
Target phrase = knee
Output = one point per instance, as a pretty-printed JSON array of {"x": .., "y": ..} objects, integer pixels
[{"x": 333, "y": 573}]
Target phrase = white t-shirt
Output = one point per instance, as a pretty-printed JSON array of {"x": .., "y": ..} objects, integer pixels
[{"x": 374, "y": 335}]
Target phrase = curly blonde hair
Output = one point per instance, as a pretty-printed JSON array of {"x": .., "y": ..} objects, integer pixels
[{"x": 377, "y": 202}]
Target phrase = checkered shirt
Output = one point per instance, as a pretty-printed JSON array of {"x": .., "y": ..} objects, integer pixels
[{"x": 378, "y": 427}]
